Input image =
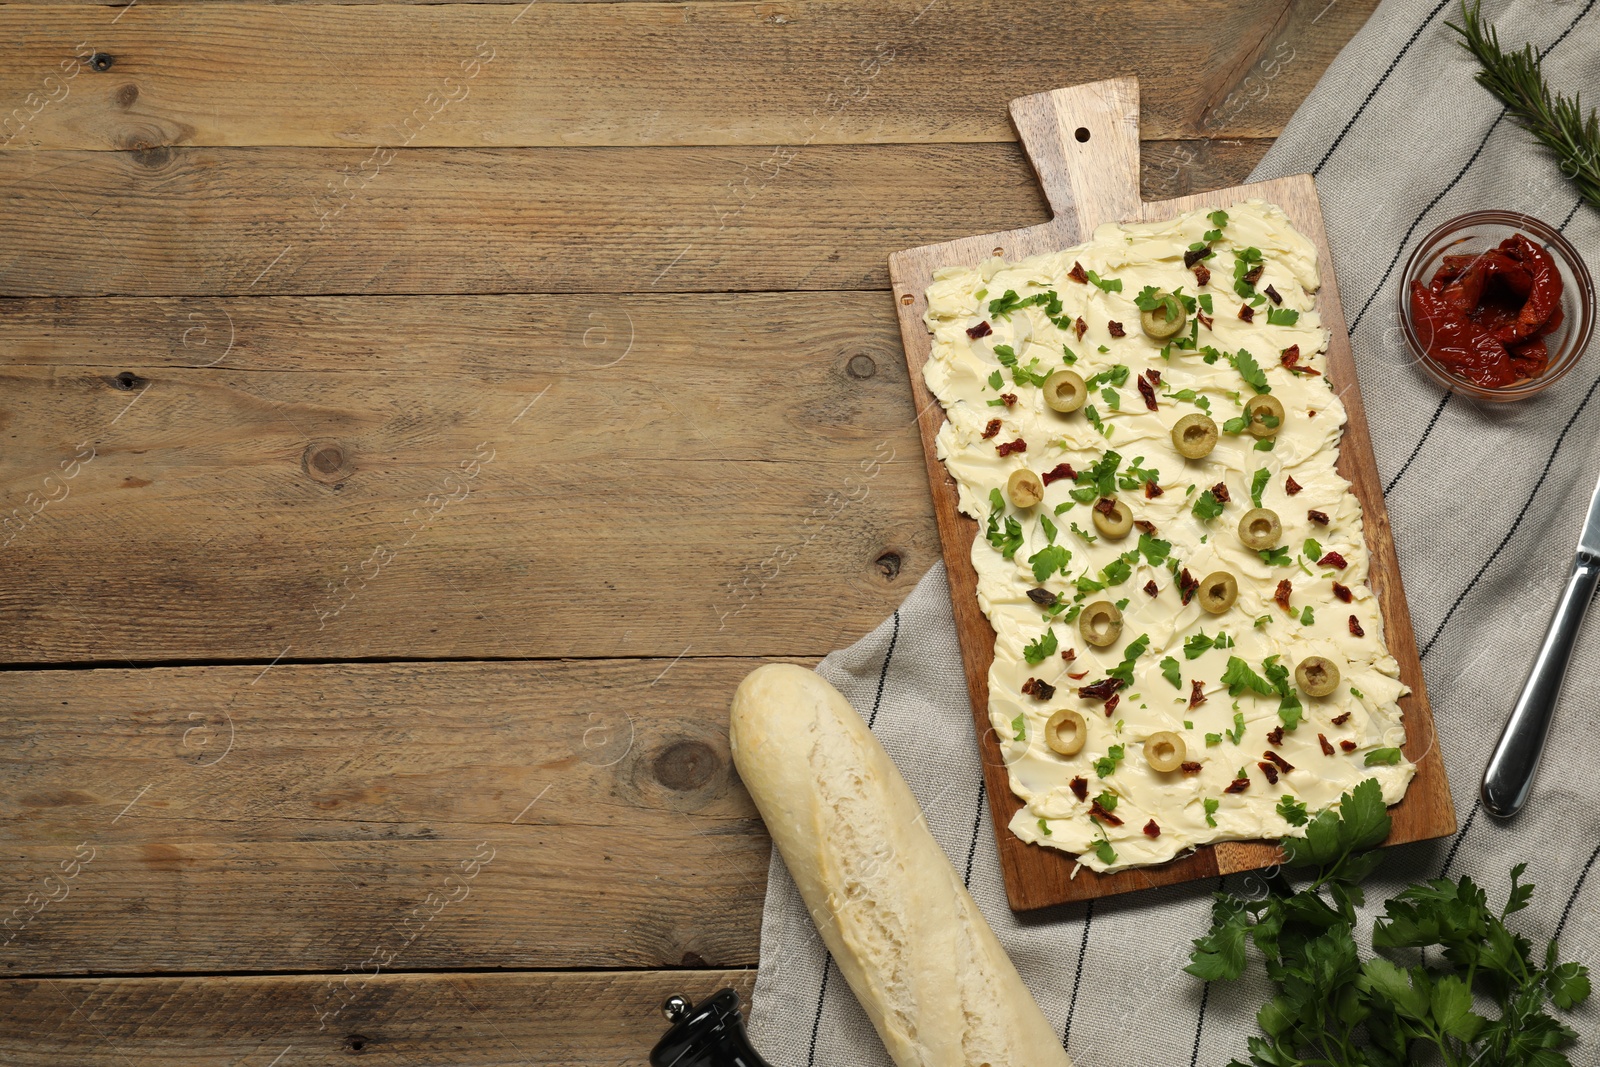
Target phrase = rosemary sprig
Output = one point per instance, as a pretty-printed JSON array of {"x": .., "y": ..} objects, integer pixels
[{"x": 1556, "y": 120}]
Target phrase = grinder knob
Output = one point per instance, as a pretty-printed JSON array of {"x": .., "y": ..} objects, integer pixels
[{"x": 708, "y": 1035}]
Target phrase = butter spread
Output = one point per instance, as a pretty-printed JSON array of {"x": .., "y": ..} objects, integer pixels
[{"x": 998, "y": 330}]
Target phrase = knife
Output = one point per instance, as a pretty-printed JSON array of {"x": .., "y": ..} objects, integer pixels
[{"x": 1509, "y": 776}]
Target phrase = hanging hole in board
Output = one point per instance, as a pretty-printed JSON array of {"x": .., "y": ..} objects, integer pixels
[
  {"x": 1081, "y": 133},
  {"x": 999, "y": 251},
  {"x": 906, "y": 299}
]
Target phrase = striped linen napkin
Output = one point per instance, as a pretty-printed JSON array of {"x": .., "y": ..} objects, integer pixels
[{"x": 1486, "y": 503}]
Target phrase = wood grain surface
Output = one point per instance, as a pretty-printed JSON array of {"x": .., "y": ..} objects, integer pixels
[
  {"x": 792, "y": 73},
  {"x": 1084, "y": 144},
  {"x": 306, "y": 817},
  {"x": 283, "y": 280},
  {"x": 445, "y": 1020}
]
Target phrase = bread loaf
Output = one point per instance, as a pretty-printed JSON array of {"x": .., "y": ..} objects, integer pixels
[{"x": 901, "y": 926}]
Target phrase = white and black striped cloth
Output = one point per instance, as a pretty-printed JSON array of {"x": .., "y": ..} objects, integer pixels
[{"x": 1486, "y": 503}]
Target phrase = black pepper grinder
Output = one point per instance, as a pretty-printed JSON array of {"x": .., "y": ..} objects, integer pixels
[{"x": 708, "y": 1035}]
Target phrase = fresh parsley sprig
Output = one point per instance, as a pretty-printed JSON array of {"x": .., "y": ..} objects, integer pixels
[
  {"x": 1333, "y": 1006},
  {"x": 1557, "y": 121}
]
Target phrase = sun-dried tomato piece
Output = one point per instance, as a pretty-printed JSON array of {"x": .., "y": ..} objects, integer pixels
[
  {"x": 1270, "y": 771},
  {"x": 1069, "y": 655},
  {"x": 991, "y": 429},
  {"x": 1152, "y": 490},
  {"x": 1283, "y": 765},
  {"x": 1291, "y": 486},
  {"x": 1080, "y": 676},
  {"x": 1008, "y": 398},
  {"x": 1318, "y": 517},
  {"x": 1111, "y": 705},
  {"x": 1348, "y": 746},
  {"x": 1247, "y": 313},
  {"x": 1311, "y": 413},
  {"x": 1154, "y": 376},
  {"x": 1019, "y": 445},
  {"x": 1290, "y": 358},
  {"x": 1202, "y": 274},
  {"x": 1272, "y": 294},
  {"x": 1104, "y": 689},
  {"x": 1098, "y": 811},
  {"x": 1079, "y": 787},
  {"x": 1195, "y": 255},
  {"x": 983, "y": 329},
  {"x": 1188, "y": 585},
  {"x": 1275, "y": 737},
  {"x": 1114, "y": 328},
  {"x": 1146, "y": 525},
  {"x": 1238, "y": 785},
  {"x": 1077, "y": 274},
  {"x": 1253, "y": 275},
  {"x": 1205, "y": 320},
  {"x": 1334, "y": 560},
  {"x": 1043, "y": 597},
  {"x": 1147, "y": 391},
  {"x": 1060, "y": 472},
  {"x": 1080, "y": 327},
  {"x": 1151, "y": 829},
  {"x": 1197, "y": 693},
  {"x": 1105, "y": 505},
  {"x": 1341, "y": 718},
  {"x": 1189, "y": 767},
  {"x": 1220, "y": 491},
  {"x": 1282, "y": 594},
  {"x": 1327, "y": 749},
  {"x": 1355, "y": 627},
  {"x": 1343, "y": 592},
  {"x": 1151, "y": 589},
  {"x": 1038, "y": 689}
]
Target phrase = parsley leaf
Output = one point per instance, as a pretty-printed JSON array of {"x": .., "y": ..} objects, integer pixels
[
  {"x": 1282, "y": 316},
  {"x": 995, "y": 381},
  {"x": 1169, "y": 671},
  {"x": 1211, "y": 805},
  {"x": 1292, "y": 810},
  {"x": 1019, "y": 724},
  {"x": 1105, "y": 765},
  {"x": 1275, "y": 557},
  {"x": 1048, "y": 561},
  {"x": 1388, "y": 756},
  {"x": 1250, "y": 371},
  {"x": 1200, "y": 644},
  {"x": 1258, "y": 485},
  {"x": 1206, "y": 506},
  {"x": 1109, "y": 285},
  {"x": 1240, "y": 679},
  {"x": 1124, "y": 670},
  {"x": 1236, "y": 735},
  {"x": 1045, "y": 829},
  {"x": 1041, "y": 648}
]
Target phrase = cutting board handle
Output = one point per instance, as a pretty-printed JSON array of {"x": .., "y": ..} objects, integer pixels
[{"x": 1084, "y": 145}]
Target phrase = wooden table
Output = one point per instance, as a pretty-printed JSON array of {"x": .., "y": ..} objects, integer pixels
[{"x": 415, "y": 420}]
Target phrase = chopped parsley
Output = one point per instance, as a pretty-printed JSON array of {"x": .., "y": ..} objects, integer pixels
[
  {"x": 1356, "y": 693},
  {"x": 1112, "y": 398},
  {"x": 1275, "y": 557},
  {"x": 1117, "y": 376},
  {"x": 1290, "y": 711},
  {"x": 1041, "y": 648},
  {"x": 1200, "y": 644},
  {"x": 1266, "y": 444},
  {"x": 1282, "y": 316},
  {"x": 1105, "y": 765},
  {"x": 1109, "y": 285},
  {"x": 1102, "y": 847},
  {"x": 1236, "y": 735},
  {"x": 1169, "y": 671},
  {"x": 1219, "y": 219},
  {"x": 995, "y": 381},
  {"x": 1312, "y": 549},
  {"x": 1212, "y": 803},
  {"x": 1240, "y": 678},
  {"x": 1205, "y": 304},
  {"x": 1388, "y": 756},
  {"x": 1250, "y": 371},
  {"x": 1009, "y": 540},
  {"x": 1213, "y": 739},
  {"x": 1019, "y": 724},
  {"x": 1107, "y": 800},
  {"x": 1189, "y": 396},
  {"x": 1293, "y": 812},
  {"x": 1045, "y": 829},
  {"x": 1135, "y": 649},
  {"x": 1085, "y": 534},
  {"x": 1244, "y": 261},
  {"x": 1155, "y": 550},
  {"x": 1049, "y": 528},
  {"x": 1048, "y": 561},
  {"x": 1258, "y": 485},
  {"x": 1207, "y": 506}
]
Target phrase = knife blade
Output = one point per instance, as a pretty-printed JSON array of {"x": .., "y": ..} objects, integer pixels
[{"x": 1508, "y": 778}]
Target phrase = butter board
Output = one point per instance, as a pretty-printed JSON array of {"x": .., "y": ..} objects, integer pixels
[{"x": 1083, "y": 143}]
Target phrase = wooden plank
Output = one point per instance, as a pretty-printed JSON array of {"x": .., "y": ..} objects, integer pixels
[
  {"x": 446, "y": 1020},
  {"x": 1083, "y": 143},
  {"x": 458, "y": 476},
  {"x": 208, "y": 221},
  {"x": 799, "y": 72},
  {"x": 401, "y": 816}
]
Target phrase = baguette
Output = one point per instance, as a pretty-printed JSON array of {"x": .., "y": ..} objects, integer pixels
[{"x": 902, "y": 928}]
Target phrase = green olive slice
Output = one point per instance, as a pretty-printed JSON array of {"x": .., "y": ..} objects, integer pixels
[
  {"x": 1317, "y": 676},
  {"x": 1064, "y": 391},
  {"x": 1218, "y": 590},
  {"x": 1260, "y": 529},
  {"x": 1194, "y": 436},
  {"x": 1101, "y": 623},
  {"x": 1157, "y": 325},
  {"x": 1263, "y": 415},
  {"x": 1066, "y": 732},
  {"x": 1024, "y": 488},
  {"x": 1112, "y": 518},
  {"x": 1164, "y": 751}
]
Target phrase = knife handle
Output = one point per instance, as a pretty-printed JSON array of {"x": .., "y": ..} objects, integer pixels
[{"x": 1509, "y": 776}]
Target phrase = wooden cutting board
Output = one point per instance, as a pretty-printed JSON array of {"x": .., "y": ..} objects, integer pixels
[{"x": 1084, "y": 145}]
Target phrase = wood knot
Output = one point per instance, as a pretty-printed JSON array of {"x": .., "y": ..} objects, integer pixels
[
  {"x": 357, "y": 1042},
  {"x": 126, "y": 95},
  {"x": 327, "y": 461},
  {"x": 154, "y": 157},
  {"x": 685, "y": 766},
  {"x": 889, "y": 565},
  {"x": 127, "y": 381},
  {"x": 861, "y": 366},
  {"x": 101, "y": 61}
]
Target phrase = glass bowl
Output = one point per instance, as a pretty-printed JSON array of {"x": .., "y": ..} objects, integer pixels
[{"x": 1478, "y": 231}]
